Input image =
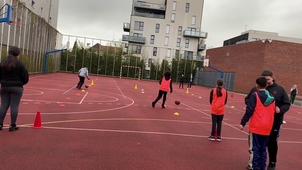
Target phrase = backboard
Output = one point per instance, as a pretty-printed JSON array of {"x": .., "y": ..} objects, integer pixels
[
  {"x": 6, "y": 13},
  {"x": 206, "y": 62}
]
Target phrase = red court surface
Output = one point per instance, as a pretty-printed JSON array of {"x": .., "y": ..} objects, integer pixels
[{"x": 113, "y": 126}]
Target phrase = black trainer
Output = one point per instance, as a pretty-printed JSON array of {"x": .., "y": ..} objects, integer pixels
[
  {"x": 13, "y": 128},
  {"x": 211, "y": 138},
  {"x": 153, "y": 104},
  {"x": 218, "y": 139},
  {"x": 271, "y": 166},
  {"x": 1, "y": 126}
]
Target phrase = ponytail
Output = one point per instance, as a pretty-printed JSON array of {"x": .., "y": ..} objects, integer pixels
[
  {"x": 10, "y": 62},
  {"x": 218, "y": 91},
  {"x": 219, "y": 84}
]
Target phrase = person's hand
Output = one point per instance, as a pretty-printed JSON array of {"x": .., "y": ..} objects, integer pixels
[
  {"x": 277, "y": 109},
  {"x": 241, "y": 127}
]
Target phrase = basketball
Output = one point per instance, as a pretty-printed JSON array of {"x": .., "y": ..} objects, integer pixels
[
  {"x": 86, "y": 86},
  {"x": 177, "y": 102}
]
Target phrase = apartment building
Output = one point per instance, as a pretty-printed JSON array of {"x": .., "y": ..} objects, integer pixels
[
  {"x": 255, "y": 35},
  {"x": 163, "y": 29},
  {"x": 47, "y": 9}
]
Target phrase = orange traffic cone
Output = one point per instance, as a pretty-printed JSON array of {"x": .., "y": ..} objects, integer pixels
[{"x": 37, "y": 124}]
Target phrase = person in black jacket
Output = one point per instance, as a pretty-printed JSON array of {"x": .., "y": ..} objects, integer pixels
[
  {"x": 13, "y": 75},
  {"x": 282, "y": 106}
]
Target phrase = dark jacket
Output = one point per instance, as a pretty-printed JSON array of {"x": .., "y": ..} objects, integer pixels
[
  {"x": 266, "y": 99},
  {"x": 281, "y": 99},
  {"x": 168, "y": 78},
  {"x": 14, "y": 78}
]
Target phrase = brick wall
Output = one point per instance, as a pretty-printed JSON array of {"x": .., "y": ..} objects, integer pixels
[{"x": 250, "y": 59}]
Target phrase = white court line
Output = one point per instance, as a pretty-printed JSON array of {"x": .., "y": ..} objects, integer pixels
[
  {"x": 83, "y": 98},
  {"x": 155, "y": 133},
  {"x": 69, "y": 89},
  {"x": 120, "y": 90},
  {"x": 204, "y": 113}
]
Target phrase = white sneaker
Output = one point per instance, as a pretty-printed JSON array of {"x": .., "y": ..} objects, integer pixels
[{"x": 284, "y": 122}]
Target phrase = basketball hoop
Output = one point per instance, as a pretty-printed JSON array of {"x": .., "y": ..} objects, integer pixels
[
  {"x": 206, "y": 62},
  {"x": 16, "y": 23}
]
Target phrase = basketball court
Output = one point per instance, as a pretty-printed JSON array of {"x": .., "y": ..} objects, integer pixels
[{"x": 111, "y": 125}]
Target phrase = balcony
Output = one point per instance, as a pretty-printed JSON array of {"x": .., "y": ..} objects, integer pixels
[
  {"x": 196, "y": 34},
  {"x": 199, "y": 58},
  {"x": 201, "y": 47},
  {"x": 126, "y": 27},
  {"x": 149, "y": 6},
  {"x": 134, "y": 39},
  {"x": 149, "y": 15}
]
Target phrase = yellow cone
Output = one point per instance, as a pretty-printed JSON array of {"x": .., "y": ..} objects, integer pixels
[
  {"x": 83, "y": 90},
  {"x": 187, "y": 91},
  {"x": 176, "y": 114},
  {"x": 232, "y": 107},
  {"x": 92, "y": 83},
  {"x": 135, "y": 86}
]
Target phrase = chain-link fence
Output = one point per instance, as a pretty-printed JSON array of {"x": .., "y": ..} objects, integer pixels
[
  {"x": 34, "y": 38},
  {"x": 103, "y": 57}
]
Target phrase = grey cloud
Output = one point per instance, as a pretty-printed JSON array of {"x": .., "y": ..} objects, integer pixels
[{"x": 222, "y": 19}]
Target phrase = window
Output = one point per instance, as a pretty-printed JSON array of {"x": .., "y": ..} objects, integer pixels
[
  {"x": 187, "y": 7},
  {"x": 137, "y": 35},
  {"x": 154, "y": 51},
  {"x": 149, "y": 62},
  {"x": 168, "y": 29},
  {"x": 166, "y": 41},
  {"x": 138, "y": 25},
  {"x": 168, "y": 53},
  {"x": 177, "y": 53},
  {"x": 152, "y": 39},
  {"x": 189, "y": 55},
  {"x": 137, "y": 49},
  {"x": 187, "y": 43},
  {"x": 193, "y": 20},
  {"x": 173, "y": 18},
  {"x": 179, "y": 30},
  {"x": 174, "y": 6},
  {"x": 33, "y": 3},
  {"x": 178, "y": 42},
  {"x": 157, "y": 28}
]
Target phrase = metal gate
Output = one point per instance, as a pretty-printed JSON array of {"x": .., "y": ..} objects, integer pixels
[{"x": 209, "y": 79}]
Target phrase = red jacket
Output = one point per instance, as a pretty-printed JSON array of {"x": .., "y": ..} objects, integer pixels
[
  {"x": 218, "y": 103},
  {"x": 165, "y": 85},
  {"x": 263, "y": 118}
]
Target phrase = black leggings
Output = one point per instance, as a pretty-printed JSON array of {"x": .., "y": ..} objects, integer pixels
[
  {"x": 216, "y": 119},
  {"x": 10, "y": 96},
  {"x": 160, "y": 94},
  {"x": 81, "y": 82}
]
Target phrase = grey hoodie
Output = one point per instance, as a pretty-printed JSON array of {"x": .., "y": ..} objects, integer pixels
[{"x": 83, "y": 72}]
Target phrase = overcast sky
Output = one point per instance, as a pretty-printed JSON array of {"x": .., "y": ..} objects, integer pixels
[{"x": 222, "y": 19}]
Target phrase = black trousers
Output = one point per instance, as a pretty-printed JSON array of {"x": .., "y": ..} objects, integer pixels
[
  {"x": 10, "y": 97},
  {"x": 81, "y": 82},
  {"x": 273, "y": 144},
  {"x": 216, "y": 120},
  {"x": 160, "y": 94},
  {"x": 181, "y": 83}
]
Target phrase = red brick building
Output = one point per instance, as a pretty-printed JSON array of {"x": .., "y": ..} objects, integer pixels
[{"x": 248, "y": 60}]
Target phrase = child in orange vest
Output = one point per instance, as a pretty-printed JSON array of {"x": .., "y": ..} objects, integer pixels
[
  {"x": 218, "y": 100},
  {"x": 165, "y": 84},
  {"x": 260, "y": 111}
]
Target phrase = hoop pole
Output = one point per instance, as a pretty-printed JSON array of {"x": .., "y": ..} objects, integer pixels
[{"x": 50, "y": 52}]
